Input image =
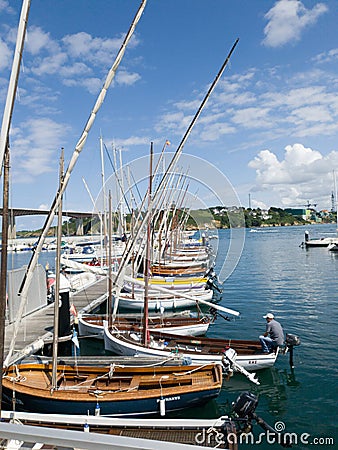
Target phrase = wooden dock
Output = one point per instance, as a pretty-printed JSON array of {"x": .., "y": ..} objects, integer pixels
[{"x": 36, "y": 329}]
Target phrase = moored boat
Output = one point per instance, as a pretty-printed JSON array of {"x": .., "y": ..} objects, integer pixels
[
  {"x": 222, "y": 432},
  {"x": 163, "y": 301},
  {"x": 202, "y": 350},
  {"x": 92, "y": 325},
  {"x": 113, "y": 390}
]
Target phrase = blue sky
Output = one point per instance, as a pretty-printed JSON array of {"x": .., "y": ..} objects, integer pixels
[{"x": 269, "y": 129}]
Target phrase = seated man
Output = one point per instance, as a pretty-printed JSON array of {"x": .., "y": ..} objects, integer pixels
[{"x": 273, "y": 336}]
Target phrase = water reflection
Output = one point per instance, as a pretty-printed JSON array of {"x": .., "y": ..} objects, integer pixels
[{"x": 273, "y": 390}]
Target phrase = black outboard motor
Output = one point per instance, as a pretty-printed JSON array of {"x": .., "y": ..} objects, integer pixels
[
  {"x": 245, "y": 407},
  {"x": 306, "y": 239},
  {"x": 291, "y": 341}
]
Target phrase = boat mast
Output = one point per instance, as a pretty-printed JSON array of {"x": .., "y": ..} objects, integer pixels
[
  {"x": 176, "y": 156},
  {"x": 57, "y": 280},
  {"x": 13, "y": 81},
  {"x": 3, "y": 277},
  {"x": 23, "y": 291},
  {"x": 336, "y": 198},
  {"x": 104, "y": 215},
  {"x": 110, "y": 283},
  {"x": 123, "y": 212},
  {"x": 147, "y": 255},
  {"x": 4, "y": 161}
]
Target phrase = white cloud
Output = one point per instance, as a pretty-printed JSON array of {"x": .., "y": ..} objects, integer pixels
[
  {"x": 4, "y": 6},
  {"x": 265, "y": 106},
  {"x": 5, "y": 55},
  {"x": 252, "y": 117},
  {"x": 126, "y": 78},
  {"x": 258, "y": 204},
  {"x": 35, "y": 146},
  {"x": 132, "y": 140},
  {"x": 38, "y": 40},
  {"x": 327, "y": 57},
  {"x": 303, "y": 174},
  {"x": 215, "y": 131},
  {"x": 50, "y": 65},
  {"x": 287, "y": 19},
  {"x": 94, "y": 50},
  {"x": 92, "y": 85}
]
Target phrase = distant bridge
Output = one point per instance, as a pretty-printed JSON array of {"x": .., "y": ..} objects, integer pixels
[{"x": 16, "y": 212}]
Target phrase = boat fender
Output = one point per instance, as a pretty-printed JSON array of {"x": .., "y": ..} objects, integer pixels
[
  {"x": 162, "y": 407},
  {"x": 135, "y": 337},
  {"x": 186, "y": 361},
  {"x": 86, "y": 428},
  {"x": 97, "y": 409}
]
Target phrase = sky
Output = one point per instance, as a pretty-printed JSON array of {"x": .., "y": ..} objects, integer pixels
[{"x": 269, "y": 131}]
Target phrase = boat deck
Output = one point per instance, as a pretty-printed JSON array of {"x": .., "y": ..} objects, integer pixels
[{"x": 36, "y": 329}]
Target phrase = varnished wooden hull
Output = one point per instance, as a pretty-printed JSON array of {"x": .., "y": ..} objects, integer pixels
[{"x": 132, "y": 391}]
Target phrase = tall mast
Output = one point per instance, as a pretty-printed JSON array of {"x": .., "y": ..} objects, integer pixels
[
  {"x": 110, "y": 237},
  {"x": 13, "y": 81},
  {"x": 3, "y": 277},
  {"x": 104, "y": 215},
  {"x": 176, "y": 156},
  {"x": 147, "y": 255},
  {"x": 123, "y": 215},
  {"x": 57, "y": 280},
  {"x": 4, "y": 161}
]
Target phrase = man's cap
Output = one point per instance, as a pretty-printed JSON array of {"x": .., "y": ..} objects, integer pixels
[{"x": 268, "y": 316}]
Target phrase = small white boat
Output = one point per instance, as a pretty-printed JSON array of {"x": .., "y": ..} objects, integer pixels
[
  {"x": 183, "y": 325},
  {"x": 162, "y": 301},
  {"x": 321, "y": 242},
  {"x": 171, "y": 282},
  {"x": 195, "y": 350}
]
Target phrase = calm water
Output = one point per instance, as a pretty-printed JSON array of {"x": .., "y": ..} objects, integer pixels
[{"x": 301, "y": 288}]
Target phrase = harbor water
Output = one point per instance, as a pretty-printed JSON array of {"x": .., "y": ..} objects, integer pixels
[{"x": 300, "y": 286}]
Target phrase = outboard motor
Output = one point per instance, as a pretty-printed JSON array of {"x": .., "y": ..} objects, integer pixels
[
  {"x": 245, "y": 406},
  {"x": 306, "y": 239},
  {"x": 291, "y": 341}
]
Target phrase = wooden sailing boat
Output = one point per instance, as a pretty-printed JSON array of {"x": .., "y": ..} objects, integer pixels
[
  {"x": 92, "y": 325},
  {"x": 113, "y": 391},
  {"x": 199, "y": 350}
]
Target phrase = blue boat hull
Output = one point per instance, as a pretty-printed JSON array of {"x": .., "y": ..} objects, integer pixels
[{"x": 136, "y": 407}]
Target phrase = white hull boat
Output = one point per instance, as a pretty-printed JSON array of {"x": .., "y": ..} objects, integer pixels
[
  {"x": 248, "y": 358},
  {"x": 165, "y": 302},
  {"x": 91, "y": 325}
]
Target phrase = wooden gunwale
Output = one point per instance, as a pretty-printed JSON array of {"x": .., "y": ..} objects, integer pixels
[{"x": 124, "y": 383}]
